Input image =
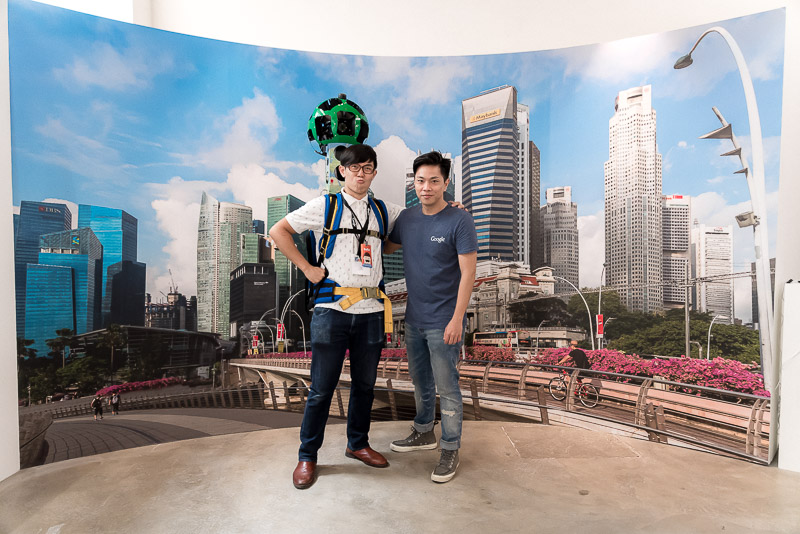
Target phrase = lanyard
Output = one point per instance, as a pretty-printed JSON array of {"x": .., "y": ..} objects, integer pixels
[{"x": 362, "y": 229}]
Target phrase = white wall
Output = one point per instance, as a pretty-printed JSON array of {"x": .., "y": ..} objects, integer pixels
[{"x": 420, "y": 27}]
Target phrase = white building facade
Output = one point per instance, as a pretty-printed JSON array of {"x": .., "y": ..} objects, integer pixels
[
  {"x": 712, "y": 256},
  {"x": 633, "y": 250},
  {"x": 218, "y": 253},
  {"x": 676, "y": 217},
  {"x": 559, "y": 219}
]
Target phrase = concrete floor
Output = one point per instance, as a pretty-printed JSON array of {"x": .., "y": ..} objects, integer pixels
[{"x": 514, "y": 477}]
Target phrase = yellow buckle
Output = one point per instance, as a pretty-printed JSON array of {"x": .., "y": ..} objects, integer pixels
[{"x": 369, "y": 293}]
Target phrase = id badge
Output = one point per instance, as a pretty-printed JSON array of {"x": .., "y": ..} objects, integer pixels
[
  {"x": 366, "y": 256},
  {"x": 356, "y": 266}
]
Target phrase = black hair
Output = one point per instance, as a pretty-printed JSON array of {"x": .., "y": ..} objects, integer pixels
[
  {"x": 434, "y": 158},
  {"x": 354, "y": 154}
]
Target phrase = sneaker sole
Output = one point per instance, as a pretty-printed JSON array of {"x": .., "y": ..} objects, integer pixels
[
  {"x": 441, "y": 479},
  {"x": 402, "y": 448}
]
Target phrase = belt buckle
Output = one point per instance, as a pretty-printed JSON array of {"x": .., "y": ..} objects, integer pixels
[{"x": 369, "y": 293}]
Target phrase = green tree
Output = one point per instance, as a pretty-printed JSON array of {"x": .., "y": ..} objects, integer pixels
[
  {"x": 531, "y": 313},
  {"x": 112, "y": 338},
  {"x": 65, "y": 338}
]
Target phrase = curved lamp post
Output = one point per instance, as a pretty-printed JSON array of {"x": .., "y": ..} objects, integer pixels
[
  {"x": 599, "y": 299},
  {"x": 258, "y": 326},
  {"x": 538, "y": 329},
  {"x": 699, "y": 349},
  {"x": 755, "y": 182},
  {"x": 591, "y": 330},
  {"x": 286, "y": 307},
  {"x": 708, "y": 347}
]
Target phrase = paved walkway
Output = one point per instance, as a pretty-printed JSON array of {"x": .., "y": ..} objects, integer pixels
[
  {"x": 78, "y": 437},
  {"x": 514, "y": 477}
]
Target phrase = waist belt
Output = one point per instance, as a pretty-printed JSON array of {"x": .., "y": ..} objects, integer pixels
[{"x": 351, "y": 295}]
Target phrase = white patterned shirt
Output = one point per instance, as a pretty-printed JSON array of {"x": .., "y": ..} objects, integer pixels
[{"x": 312, "y": 217}]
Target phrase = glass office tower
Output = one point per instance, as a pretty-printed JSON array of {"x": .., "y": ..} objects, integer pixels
[{"x": 35, "y": 219}]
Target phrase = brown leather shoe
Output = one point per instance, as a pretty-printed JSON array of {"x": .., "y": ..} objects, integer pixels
[
  {"x": 368, "y": 456},
  {"x": 305, "y": 474}
]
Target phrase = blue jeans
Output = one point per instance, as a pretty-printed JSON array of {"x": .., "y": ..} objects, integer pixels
[
  {"x": 332, "y": 333},
  {"x": 432, "y": 366}
]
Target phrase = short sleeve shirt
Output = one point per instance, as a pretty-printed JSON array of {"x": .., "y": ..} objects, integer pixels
[
  {"x": 431, "y": 246},
  {"x": 311, "y": 217},
  {"x": 579, "y": 358}
]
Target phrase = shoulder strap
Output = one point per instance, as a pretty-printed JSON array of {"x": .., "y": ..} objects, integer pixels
[
  {"x": 379, "y": 207},
  {"x": 333, "y": 219}
]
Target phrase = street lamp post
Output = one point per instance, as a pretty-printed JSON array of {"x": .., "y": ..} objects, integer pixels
[
  {"x": 708, "y": 348},
  {"x": 755, "y": 182},
  {"x": 601, "y": 343},
  {"x": 599, "y": 298},
  {"x": 258, "y": 325},
  {"x": 537, "y": 336},
  {"x": 591, "y": 330},
  {"x": 699, "y": 350},
  {"x": 286, "y": 307},
  {"x": 302, "y": 329}
]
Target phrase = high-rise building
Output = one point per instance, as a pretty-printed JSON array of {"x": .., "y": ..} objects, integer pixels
[
  {"x": 124, "y": 298},
  {"x": 559, "y": 219},
  {"x": 535, "y": 237},
  {"x": 52, "y": 296},
  {"x": 712, "y": 256},
  {"x": 254, "y": 249},
  {"x": 35, "y": 220},
  {"x": 117, "y": 231},
  {"x": 259, "y": 227},
  {"x": 754, "y": 288},
  {"x": 252, "y": 293},
  {"x": 676, "y": 217},
  {"x": 177, "y": 313},
  {"x": 290, "y": 279},
  {"x": 219, "y": 230},
  {"x": 490, "y": 145},
  {"x": 633, "y": 228}
]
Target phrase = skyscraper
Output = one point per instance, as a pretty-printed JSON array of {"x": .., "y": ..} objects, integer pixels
[
  {"x": 63, "y": 288},
  {"x": 535, "y": 236},
  {"x": 490, "y": 145},
  {"x": 633, "y": 202},
  {"x": 559, "y": 218},
  {"x": 117, "y": 231},
  {"x": 676, "y": 216},
  {"x": 219, "y": 230},
  {"x": 35, "y": 220},
  {"x": 277, "y": 209},
  {"x": 712, "y": 256}
]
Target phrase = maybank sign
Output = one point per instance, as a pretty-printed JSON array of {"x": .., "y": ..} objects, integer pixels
[{"x": 485, "y": 115}]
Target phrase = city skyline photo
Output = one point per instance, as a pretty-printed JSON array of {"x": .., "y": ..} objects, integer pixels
[{"x": 121, "y": 116}]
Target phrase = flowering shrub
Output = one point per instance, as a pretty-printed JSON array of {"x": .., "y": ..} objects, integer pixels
[
  {"x": 139, "y": 386},
  {"x": 492, "y": 354},
  {"x": 719, "y": 373}
]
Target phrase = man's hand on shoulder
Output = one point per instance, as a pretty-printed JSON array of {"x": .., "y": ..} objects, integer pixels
[
  {"x": 452, "y": 333},
  {"x": 458, "y": 205}
]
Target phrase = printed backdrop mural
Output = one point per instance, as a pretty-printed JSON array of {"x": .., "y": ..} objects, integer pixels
[{"x": 116, "y": 115}]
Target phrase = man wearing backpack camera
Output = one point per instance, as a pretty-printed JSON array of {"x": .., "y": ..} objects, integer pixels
[{"x": 350, "y": 309}]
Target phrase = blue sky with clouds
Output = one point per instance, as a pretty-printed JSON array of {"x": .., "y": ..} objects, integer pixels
[{"x": 118, "y": 115}]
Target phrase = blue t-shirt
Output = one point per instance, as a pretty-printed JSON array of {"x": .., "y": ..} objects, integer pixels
[{"x": 431, "y": 246}]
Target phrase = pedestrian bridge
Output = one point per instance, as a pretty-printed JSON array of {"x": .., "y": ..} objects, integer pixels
[{"x": 713, "y": 420}]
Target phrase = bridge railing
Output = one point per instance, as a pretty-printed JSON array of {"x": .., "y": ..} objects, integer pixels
[{"x": 724, "y": 421}]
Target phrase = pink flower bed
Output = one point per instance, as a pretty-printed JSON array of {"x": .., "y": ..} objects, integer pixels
[
  {"x": 719, "y": 373},
  {"x": 140, "y": 386}
]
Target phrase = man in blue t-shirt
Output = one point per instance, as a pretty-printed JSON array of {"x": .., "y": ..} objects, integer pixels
[{"x": 440, "y": 251}]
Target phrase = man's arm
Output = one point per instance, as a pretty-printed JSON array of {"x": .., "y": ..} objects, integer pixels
[
  {"x": 453, "y": 331},
  {"x": 389, "y": 247},
  {"x": 281, "y": 234}
]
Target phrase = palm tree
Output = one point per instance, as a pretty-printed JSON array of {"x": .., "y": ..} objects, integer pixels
[
  {"x": 65, "y": 338},
  {"x": 113, "y": 337}
]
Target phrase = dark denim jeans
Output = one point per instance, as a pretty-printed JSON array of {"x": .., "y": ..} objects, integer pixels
[
  {"x": 432, "y": 366},
  {"x": 332, "y": 333}
]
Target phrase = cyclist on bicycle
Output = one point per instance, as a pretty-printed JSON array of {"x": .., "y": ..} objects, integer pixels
[{"x": 576, "y": 356}]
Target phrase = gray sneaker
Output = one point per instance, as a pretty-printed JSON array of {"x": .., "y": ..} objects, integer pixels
[
  {"x": 417, "y": 441},
  {"x": 448, "y": 463}
]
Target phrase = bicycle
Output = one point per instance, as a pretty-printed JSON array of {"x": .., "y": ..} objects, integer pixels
[{"x": 586, "y": 393}]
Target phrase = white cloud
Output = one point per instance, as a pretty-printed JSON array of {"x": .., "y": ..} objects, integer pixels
[
  {"x": 394, "y": 157},
  {"x": 249, "y": 133},
  {"x": 78, "y": 153},
  {"x": 73, "y": 208},
  {"x": 177, "y": 207},
  {"x": 682, "y": 144},
  {"x": 592, "y": 240},
  {"x": 106, "y": 67}
]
